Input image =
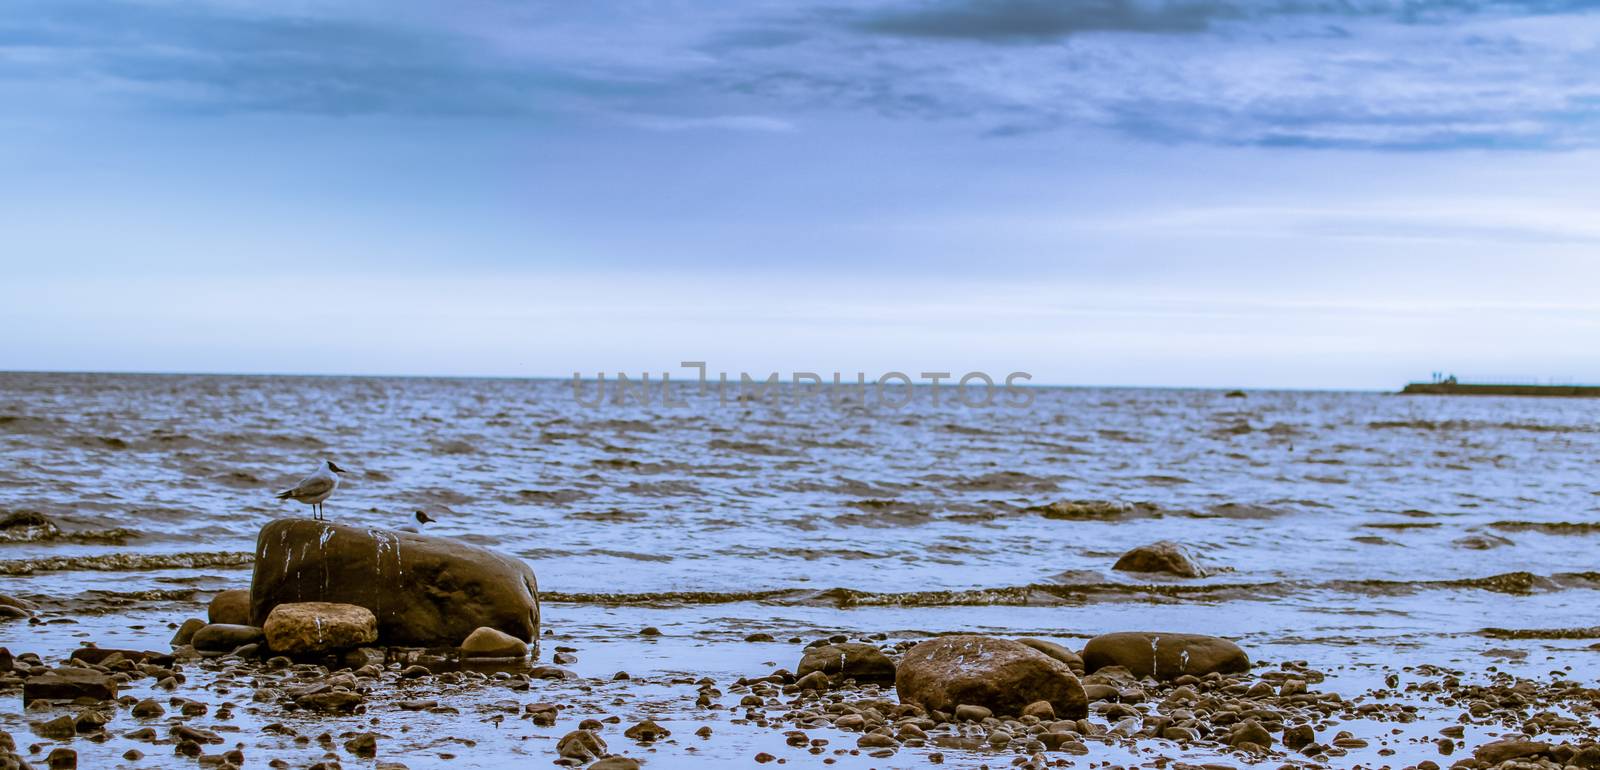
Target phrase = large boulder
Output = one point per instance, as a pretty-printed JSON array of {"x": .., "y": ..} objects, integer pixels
[
  {"x": 998, "y": 674},
  {"x": 1165, "y": 557},
  {"x": 848, "y": 660},
  {"x": 1164, "y": 656},
  {"x": 423, "y": 590},
  {"x": 302, "y": 628}
]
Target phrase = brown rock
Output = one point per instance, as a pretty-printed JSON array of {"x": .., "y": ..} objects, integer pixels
[
  {"x": 186, "y": 632},
  {"x": 1165, "y": 557},
  {"x": 1164, "y": 656},
  {"x": 488, "y": 642},
  {"x": 232, "y": 607},
  {"x": 1511, "y": 748},
  {"x": 848, "y": 660},
  {"x": 998, "y": 674},
  {"x": 301, "y": 628},
  {"x": 424, "y": 590},
  {"x": 581, "y": 745},
  {"x": 69, "y": 684}
]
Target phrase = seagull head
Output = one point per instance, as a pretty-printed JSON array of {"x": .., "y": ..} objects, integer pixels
[{"x": 332, "y": 467}]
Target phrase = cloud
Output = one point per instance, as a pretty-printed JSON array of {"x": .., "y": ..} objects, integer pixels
[
  {"x": 756, "y": 123},
  {"x": 1039, "y": 20}
]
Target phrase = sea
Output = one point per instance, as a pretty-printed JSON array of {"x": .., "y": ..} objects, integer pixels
[{"x": 1359, "y": 531}]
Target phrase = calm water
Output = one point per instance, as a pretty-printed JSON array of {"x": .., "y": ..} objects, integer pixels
[{"x": 1342, "y": 524}]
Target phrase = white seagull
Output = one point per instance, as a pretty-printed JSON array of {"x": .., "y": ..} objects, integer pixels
[{"x": 313, "y": 489}]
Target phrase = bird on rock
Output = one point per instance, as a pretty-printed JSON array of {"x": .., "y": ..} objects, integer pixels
[{"x": 314, "y": 489}]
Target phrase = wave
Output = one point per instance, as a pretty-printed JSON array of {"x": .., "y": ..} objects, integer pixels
[
  {"x": 1056, "y": 594},
  {"x": 1116, "y": 510},
  {"x": 1549, "y": 527},
  {"x": 1592, "y": 632},
  {"x": 1475, "y": 425},
  {"x": 35, "y": 527},
  {"x": 126, "y": 562}
]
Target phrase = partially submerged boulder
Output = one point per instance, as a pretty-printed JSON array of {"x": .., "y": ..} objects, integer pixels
[
  {"x": 488, "y": 642},
  {"x": 304, "y": 628},
  {"x": 848, "y": 660},
  {"x": 1164, "y": 557},
  {"x": 1164, "y": 656},
  {"x": 423, "y": 590},
  {"x": 998, "y": 674}
]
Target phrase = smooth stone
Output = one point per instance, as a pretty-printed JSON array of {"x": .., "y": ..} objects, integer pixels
[
  {"x": 186, "y": 632},
  {"x": 225, "y": 637},
  {"x": 231, "y": 607},
  {"x": 69, "y": 684},
  {"x": 485, "y": 642},
  {"x": 581, "y": 745}
]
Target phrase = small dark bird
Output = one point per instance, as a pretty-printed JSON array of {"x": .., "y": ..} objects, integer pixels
[{"x": 423, "y": 518}]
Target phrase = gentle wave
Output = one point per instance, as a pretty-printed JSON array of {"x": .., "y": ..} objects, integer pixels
[
  {"x": 1046, "y": 594},
  {"x": 126, "y": 562},
  {"x": 1592, "y": 632},
  {"x": 1549, "y": 527}
]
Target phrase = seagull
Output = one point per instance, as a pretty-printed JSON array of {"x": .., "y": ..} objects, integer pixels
[
  {"x": 314, "y": 489},
  {"x": 423, "y": 518}
]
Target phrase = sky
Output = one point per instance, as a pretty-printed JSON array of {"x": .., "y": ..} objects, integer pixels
[{"x": 1258, "y": 193}]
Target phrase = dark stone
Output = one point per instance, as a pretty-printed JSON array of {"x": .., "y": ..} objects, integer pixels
[
  {"x": 1164, "y": 656},
  {"x": 224, "y": 637},
  {"x": 424, "y": 590},
  {"x": 186, "y": 632},
  {"x": 1165, "y": 557},
  {"x": 95, "y": 655},
  {"x": 998, "y": 674},
  {"x": 849, "y": 660},
  {"x": 363, "y": 745},
  {"x": 59, "y": 729},
  {"x": 646, "y": 731},
  {"x": 68, "y": 684},
  {"x": 62, "y": 758}
]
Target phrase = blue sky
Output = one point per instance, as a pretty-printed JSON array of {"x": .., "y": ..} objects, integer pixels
[{"x": 1302, "y": 193}]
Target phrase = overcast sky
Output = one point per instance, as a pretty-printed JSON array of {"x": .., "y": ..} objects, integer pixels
[{"x": 1301, "y": 193}]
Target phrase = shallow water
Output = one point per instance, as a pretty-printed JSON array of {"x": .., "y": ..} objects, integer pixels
[{"x": 1343, "y": 527}]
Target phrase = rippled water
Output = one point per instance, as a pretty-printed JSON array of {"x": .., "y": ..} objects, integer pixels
[{"x": 1333, "y": 519}]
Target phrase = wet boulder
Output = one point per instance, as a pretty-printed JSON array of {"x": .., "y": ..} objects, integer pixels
[
  {"x": 230, "y": 607},
  {"x": 1164, "y": 557},
  {"x": 998, "y": 674},
  {"x": 303, "y": 628},
  {"x": 423, "y": 590},
  {"x": 1164, "y": 656},
  {"x": 848, "y": 660}
]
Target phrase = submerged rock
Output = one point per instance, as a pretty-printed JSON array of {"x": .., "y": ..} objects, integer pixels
[
  {"x": 423, "y": 590},
  {"x": 1163, "y": 556},
  {"x": 1164, "y": 656},
  {"x": 303, "y": 628},
  {"x": 848, "y": 660},
  {"x": 997, "y": 674}
]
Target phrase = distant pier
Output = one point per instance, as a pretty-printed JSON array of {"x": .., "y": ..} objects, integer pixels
[{"x": 1453, "y": 388}]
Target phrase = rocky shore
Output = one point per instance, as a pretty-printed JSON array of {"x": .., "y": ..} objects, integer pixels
[{"x": 351, "y": 643}]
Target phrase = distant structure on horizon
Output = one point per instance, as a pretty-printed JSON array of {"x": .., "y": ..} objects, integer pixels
[{"x": 1448, "y": 385}]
